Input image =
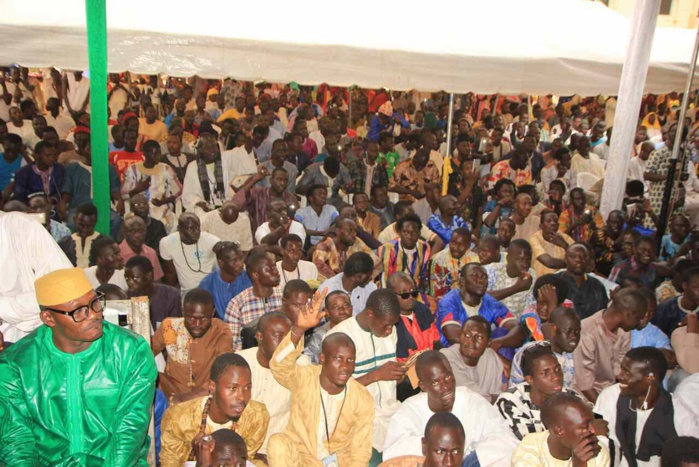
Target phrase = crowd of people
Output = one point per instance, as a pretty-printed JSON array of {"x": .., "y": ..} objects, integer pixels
[{"x": 330, "y": 282}]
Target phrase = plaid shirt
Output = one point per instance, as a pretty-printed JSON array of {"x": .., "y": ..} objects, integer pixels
[
  {"x": 521, "y": 414},
  {"x": 357, "y": 171},
  {"x": 246, "y": 308}
]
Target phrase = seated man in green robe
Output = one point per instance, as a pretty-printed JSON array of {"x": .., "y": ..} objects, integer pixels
[{"x": 77, "y": 390}]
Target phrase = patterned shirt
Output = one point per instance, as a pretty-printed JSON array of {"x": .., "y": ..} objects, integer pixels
[
  {"x": 445, "y": 269},
  {"x": 503, "y": 170},
  {"x": 498, "y": 280},
  {"x": 519, "y": 411},
  {"x": 246, "y": 308},
  {"x": 582, "y": 233},
  {"x": 395, "y": 258},
  {"x": 331, "y": 262},
  {"x": 437, "y": 225},
  {"x": 407, "y": 176}
]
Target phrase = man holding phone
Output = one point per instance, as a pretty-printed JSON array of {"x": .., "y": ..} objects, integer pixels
[{"x": 280, "y": 223}]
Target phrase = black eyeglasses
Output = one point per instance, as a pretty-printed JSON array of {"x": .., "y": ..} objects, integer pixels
[
  {"x": 81, "y": 313},
  {"x": 410, "y": 293}
]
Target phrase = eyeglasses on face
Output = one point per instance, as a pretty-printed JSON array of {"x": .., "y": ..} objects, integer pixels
[
  {"x": 410, "y": 293},
  {"x": 81, "y": 313}
]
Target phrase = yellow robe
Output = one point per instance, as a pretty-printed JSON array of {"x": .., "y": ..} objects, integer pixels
[
  {"x": 298, "y": 444},
  {"x": 181, "y": 424}
]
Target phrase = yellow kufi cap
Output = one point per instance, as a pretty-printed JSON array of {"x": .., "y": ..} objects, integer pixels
[{"x": 61, "y": 286}]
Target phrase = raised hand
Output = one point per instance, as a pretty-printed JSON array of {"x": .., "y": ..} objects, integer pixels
[
  {"x": 313, "y": 314},
  {"x": 262, "y": 172}
]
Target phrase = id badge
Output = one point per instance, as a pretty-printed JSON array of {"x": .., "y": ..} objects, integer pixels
[{"x": 330, "y": 461}]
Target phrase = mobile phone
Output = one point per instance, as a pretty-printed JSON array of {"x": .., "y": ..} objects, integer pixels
[
  {"x": 476, "y": 165},
  {"x": 482, "y": 145}
]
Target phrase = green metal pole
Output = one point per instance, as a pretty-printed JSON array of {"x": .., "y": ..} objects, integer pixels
[{"x": 96, "y": 13}]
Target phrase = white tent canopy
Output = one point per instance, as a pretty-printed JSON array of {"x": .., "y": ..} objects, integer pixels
[{"x": 486, "y": 46}]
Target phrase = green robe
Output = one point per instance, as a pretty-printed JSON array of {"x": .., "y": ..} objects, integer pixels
[{"x": 88, "y": 409}]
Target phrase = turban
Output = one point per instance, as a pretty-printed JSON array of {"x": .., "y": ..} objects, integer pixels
[
  {"x": 61, "y": 286},
  {"x": 211, "y": 92}
]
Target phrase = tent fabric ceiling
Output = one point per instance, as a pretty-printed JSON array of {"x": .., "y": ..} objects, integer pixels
[{"x": 486, "y": 46}]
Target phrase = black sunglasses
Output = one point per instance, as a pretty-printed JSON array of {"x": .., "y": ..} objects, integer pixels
[{"x": 411, "y": 293}]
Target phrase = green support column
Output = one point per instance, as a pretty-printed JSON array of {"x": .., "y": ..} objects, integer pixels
[{"x": 96, "y": 14}]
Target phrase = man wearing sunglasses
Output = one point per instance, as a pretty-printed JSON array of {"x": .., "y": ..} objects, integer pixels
[
  {"x": 416, "y": 329},
  {"x": 78, "y": 390}
]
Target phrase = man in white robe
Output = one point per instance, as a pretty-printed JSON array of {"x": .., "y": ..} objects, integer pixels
[{"x": 486, "y": 431}]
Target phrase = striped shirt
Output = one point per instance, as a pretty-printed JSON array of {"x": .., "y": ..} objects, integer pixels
[{"x": 413, "y": 262}]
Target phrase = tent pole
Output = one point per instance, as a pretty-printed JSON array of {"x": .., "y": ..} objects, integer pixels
[
  {"x": 349, "y": 104},
  {"x": 96, "y": 13},
  {"x": 450, "y": 117},
  {"x": 671, "y": 184},
  {"x": 633, "y": 78}
]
